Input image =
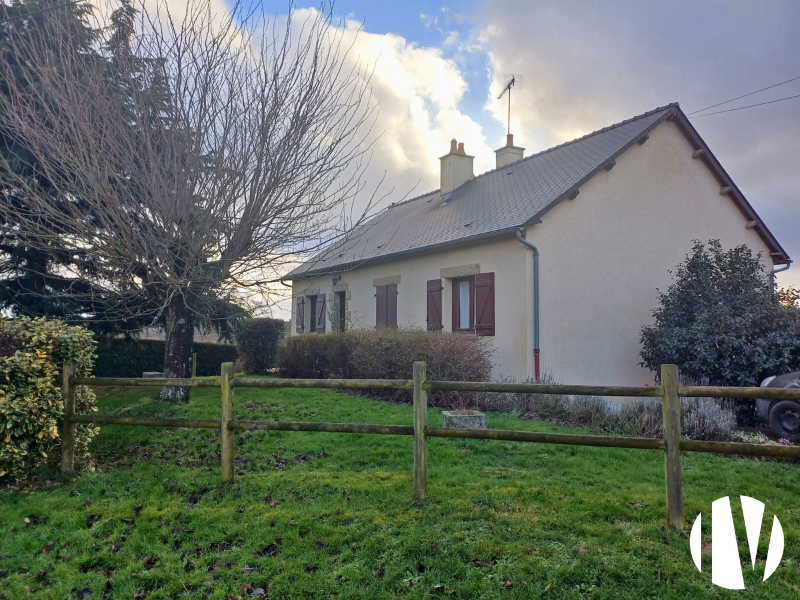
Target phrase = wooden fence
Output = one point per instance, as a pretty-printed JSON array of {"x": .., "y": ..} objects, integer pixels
[{"x": 670, "y": 393}]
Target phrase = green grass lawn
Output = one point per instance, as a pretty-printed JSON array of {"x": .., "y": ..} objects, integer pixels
[{"x": 328, "y": 515}]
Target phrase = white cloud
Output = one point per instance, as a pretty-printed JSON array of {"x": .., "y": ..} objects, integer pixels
[
  {"x": 418, "y": 91},
  {"x": 588, "y": 65}
]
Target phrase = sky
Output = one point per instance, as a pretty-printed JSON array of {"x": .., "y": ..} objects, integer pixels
[{"x": 439, "y": 67}]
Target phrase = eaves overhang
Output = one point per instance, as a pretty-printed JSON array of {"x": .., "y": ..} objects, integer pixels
[
  {"x": 349, "y": 266},
  {"x": 778, "y": 255}
]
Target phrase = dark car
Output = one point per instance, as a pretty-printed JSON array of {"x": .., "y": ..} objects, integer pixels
[{"x": 782, "y": 415}]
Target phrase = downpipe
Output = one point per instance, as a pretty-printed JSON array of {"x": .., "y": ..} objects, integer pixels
[
  {"x": 525, "y": 242},
  {"x": 772, "y": 273}
]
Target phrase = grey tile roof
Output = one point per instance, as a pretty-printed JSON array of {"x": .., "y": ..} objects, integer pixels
[{"x": 492, "y": 204}]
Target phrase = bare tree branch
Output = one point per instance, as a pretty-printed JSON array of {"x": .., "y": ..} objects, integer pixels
[{"x": 202, "y": 157}]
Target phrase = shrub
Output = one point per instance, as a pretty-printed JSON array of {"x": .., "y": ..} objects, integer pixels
[
  {"x": 257, "y": 343},
  {"x": 211, "y": 356},
  {"x": 721, "y": 320},
  {"x": 31, "y": 404},
  {"x": 389, "y": 354},
  {"x": 701, "y": 418},
  {"x": 120, "y": 357}
]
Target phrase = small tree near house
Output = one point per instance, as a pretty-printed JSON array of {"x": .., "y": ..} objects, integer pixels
[
  {"x": 720, "y": 320},
  {"x": 188, "y": 159}
]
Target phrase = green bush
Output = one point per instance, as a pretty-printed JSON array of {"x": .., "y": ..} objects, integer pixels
[
  {"x": 31, "y": 404},
  {"x": 722, "y": 321},
  {"x": 389, "y": 354},
  {"x": 257, "y": 343},
  {"x": 316, "y": 356},
  {"x": 211, "y": 356},
  {"x": 701, "y": 418},
  {"x": 119, "y": 357}
]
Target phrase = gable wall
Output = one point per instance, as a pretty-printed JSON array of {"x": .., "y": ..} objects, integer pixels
[{"x": 604, "y": 254}]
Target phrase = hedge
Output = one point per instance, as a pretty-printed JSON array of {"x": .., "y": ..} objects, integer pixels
[
  {"x": 31, "y": 403},
  {"x": 119, "y": 357},
  {"x": 389, "y": 354},
  {"x": 257, "y": 343}
]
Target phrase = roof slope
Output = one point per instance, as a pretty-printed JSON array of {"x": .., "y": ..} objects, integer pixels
[{"x": 499, "y": 201}]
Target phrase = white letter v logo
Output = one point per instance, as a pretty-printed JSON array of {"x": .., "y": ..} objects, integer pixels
[{"x": 726, "y": 570}]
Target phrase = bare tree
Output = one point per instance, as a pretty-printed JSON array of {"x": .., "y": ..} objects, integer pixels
[{"x": 196, "y": 159}]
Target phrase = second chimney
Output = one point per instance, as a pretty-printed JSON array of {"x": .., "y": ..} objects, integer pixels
[
  {"x": 509, "y": 153},
  {"x": 456, "y": 168}
]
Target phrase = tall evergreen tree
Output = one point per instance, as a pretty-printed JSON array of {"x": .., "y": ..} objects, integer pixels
[
  {"x": 37, "y": 280},
  {"x": 196, "y": 159},
  {"x": 47, "y": 281}
]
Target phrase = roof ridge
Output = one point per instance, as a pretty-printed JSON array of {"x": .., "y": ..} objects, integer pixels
[
  {"x": 567, "y": 143},
  {"x": 588, "y": 135}
]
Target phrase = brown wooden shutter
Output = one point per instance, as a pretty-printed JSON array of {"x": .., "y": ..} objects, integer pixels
[
  {"x": 380, "y": 306},
  {"x": 391, "y": 305},
  {"x": 484, "y": 304},
  {"x": 435, "y": 305},
  {"x": 300, "y": 313},
  {"x": 321, "y": 313}
]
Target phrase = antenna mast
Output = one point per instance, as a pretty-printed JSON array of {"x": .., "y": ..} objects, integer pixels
[{"x": 512, "y": 80}]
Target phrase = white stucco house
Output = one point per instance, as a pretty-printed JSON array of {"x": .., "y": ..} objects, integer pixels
[{"x": 556, "y": 256}]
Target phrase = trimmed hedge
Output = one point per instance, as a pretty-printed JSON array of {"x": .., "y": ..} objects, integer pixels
[
  {"x": 118, "y": 357},
  {"x": 211, "y": 356},
  {"x": 257, "y": 343},
  {"x": 31, "y": 403},
  {"x": 389, "y": 354}
]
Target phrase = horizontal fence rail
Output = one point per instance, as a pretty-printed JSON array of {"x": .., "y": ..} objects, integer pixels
[
  {"x": 145, "y": 382},
  {"x": 669, "y": 392},
  {"x": 690, "y": 391},
  {"x": 547, "y": 438},
  {"x": 541, "y": 388},
  {"x": 148, "y": 421},
  {"x": 323, "y": 427},
  {"x": 339, "y": 384}
]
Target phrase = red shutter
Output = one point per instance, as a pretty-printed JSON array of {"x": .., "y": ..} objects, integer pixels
[
  {"x": 321, "y": 313},
  {"x": 300, "y": 308},
  {"x": 380, "y": 306},
  {"x": 434, "y": 305},
  {"x": 391, "y": 305},
  {"x": 484, "y": 304}
]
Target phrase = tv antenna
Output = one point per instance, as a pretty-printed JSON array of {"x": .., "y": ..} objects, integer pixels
[{"x": 512, "y": 80}]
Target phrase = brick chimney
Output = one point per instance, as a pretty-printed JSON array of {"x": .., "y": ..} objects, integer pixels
[
  {"x": 456, "y": 167},
  {"x": 509, "y": 153}
]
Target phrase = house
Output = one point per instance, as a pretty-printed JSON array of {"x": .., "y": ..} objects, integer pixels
[{"x": 556, "y": 257}]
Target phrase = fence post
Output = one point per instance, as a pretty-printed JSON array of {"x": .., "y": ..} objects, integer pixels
[
  {"x": 420, "y": 439},
  {"x": 226, "y": 435},
  {"x": 68, "y": 428},
  {"x": 194, "y": 365},
  {"x": 671, "y": 411}
]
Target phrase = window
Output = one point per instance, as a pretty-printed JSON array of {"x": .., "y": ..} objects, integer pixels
[
  {"x": 463, "y": 303},
  {"x": 339, "y": 305},
  {"x": 386, "y": 305},
  {"x": 317, "y": 314},
  {"x": 473, "y": 304}
]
